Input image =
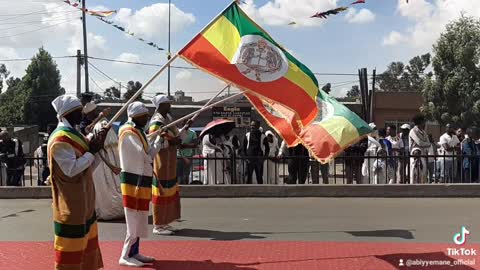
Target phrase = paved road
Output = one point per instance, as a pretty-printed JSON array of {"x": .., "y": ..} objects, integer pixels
[{"x": 296, "y": 219}]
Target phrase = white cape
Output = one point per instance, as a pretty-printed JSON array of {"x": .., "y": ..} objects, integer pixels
[{"x": 109, "y": 200}]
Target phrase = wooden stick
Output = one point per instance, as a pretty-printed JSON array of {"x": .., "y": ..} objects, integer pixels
[
  {"x": 192, "y": 114},
  {"x": 206, "y": 104},
  {"x": 117, "y": 115}
]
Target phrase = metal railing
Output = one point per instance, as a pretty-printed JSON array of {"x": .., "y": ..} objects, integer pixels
[{"x": 295, "y": 170}]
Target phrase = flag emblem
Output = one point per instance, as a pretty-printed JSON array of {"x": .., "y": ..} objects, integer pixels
[{"x": 259, "y": 60}]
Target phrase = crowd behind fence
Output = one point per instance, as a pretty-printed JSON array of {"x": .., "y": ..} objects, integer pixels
[{"x": 428, "y": 169}]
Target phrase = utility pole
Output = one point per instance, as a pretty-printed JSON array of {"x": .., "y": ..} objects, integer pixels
[
  {"x": 120, "y": 89},
  {"x": 85, "y": 52},
  {"x": 168, "y": 53},
  {"x": 372, "y": 101},
  {"x": 79, "y": 71}
]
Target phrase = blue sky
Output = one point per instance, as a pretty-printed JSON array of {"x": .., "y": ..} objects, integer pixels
[{"x": 372, "y": 35}]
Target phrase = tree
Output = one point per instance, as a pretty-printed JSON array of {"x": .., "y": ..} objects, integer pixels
[
  {"x": 112, "y": 93},
  {"x": 41, "y": 84},
  {"x": 354, "y": 92},
  {"x": 405, "y": 78},
  {"x": 4, "y": 73},
  {"x": 132, "y": 88},
  {"x": 453, "y": 95},
  {"x": 12, "y": 103}
]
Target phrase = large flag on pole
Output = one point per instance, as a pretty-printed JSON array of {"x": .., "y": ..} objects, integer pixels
[
  {"x": 335, "y": 127},
  {"x": 235, "y": 49}
]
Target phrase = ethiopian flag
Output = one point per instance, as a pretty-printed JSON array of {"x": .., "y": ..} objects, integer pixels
[
  {"x": 235, "y": 49},
  {"x": 334, "y": 128}
]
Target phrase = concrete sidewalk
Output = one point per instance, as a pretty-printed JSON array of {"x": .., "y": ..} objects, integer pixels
[
  {"x": 278, "y": 191},
  {"x": 280, "y": 219}
]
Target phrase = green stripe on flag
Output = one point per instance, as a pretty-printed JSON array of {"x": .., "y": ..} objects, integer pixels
[{"x": 246, "y": 26}]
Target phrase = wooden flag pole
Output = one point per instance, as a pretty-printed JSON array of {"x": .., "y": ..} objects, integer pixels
[
  {"x": 124, "y": 107},
  {"x": 193, "y": 114}
]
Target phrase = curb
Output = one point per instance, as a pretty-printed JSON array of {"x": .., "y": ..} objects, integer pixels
[{"x": 276, "y": 191}]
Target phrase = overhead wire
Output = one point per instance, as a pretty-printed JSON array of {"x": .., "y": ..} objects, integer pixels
[{"x": 31, "y": 31}]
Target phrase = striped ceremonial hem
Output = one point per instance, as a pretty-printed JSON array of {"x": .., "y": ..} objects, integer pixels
[
  {"x": 215, "y": 51},
  {"x": 70, "y": 136},
  {"x": 136, "y": 191},
  {"x": 73, "y": 243},
  {"x": 166, "y": 201}
]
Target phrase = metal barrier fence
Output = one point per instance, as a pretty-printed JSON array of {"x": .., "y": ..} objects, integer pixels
[{"x": 296, "y": 170}]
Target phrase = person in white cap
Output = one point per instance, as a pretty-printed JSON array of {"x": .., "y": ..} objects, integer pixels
[
  {"x": 91, "y": 117},
  {"x": 71, "y": 160},
  {"x": 373, "y": 147},
  {"x": 165, "y": 191},
  {"x": 136, "y": 157}
]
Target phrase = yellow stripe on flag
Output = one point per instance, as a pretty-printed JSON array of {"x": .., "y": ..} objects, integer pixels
[
  {"x": 342, "y": 130},
  {"x": 224, "y": 36},
  {"x": 298, "y": 77}
]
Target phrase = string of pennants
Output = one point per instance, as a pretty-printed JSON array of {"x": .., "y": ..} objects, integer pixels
[
  {"x": 126, "y": 31},
  {"x": 96, "y": 13},
  {"x": 335, "y": 11},
  {"x": 101, "y": 15}
]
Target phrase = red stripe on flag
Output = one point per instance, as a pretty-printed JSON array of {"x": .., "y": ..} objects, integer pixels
[
  {"x": 203, "y": 54},
  {"x": 281, "y": 125},
  {"x": 319, "y": 141}
]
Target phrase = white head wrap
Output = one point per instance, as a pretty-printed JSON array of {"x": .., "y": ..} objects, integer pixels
[
  {"x": 89, "y": 107},
  {"x": 136, "y": 108},
  {"x": 159, "y": 99},
  {"x": 65, "y": 104},
  {"x": 405, "y": 126}
]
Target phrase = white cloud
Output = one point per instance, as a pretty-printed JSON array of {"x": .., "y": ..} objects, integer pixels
[
  {"x": 282, "y": 12},
  {"x": 184, "y": 75},
  {"x": 393, "y": 38},
  {"x": 362, "y": 16},
  {"x": 429, "y": 19},
  {"x": 128, "y": 57},
  {"x": 152, "y": 21}
]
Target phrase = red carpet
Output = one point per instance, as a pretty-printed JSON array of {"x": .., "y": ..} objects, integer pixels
[{"x": 243, "y": 255}]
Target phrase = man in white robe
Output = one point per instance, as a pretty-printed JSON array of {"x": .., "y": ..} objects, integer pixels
[
  {"x": 136, "y": 158},
  {"x": 106, "y": 176}
]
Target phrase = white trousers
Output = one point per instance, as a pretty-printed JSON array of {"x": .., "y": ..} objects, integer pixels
[{"x": 137, "y": 226}]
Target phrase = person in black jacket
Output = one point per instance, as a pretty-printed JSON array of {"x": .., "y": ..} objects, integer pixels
[
  {"x": 255, "y": 149},
  {"x": 13, "y": 157},
  {"x": 353, "y": 161},
  {"x": 298, "y": 161}
]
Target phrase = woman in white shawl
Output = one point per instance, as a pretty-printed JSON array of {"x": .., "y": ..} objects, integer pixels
[
  {"x": 108, "y": 204},
  {"x": 212, "y": 152},
  {"x": 270, "y": 170},
  {"x": 372, "y": 148},
  {"x": 418, "y": 168}
]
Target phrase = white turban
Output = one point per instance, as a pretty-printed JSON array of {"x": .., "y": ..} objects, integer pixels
[
  {"x": 405, "y": 126},
  {"x": 65, "y": 104},
  {"x": 159, "y": 99},
  {"x": 372, "y": 125},
  {"x": 89, "y": 107},
  {"x": 136, "y": 108}
]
